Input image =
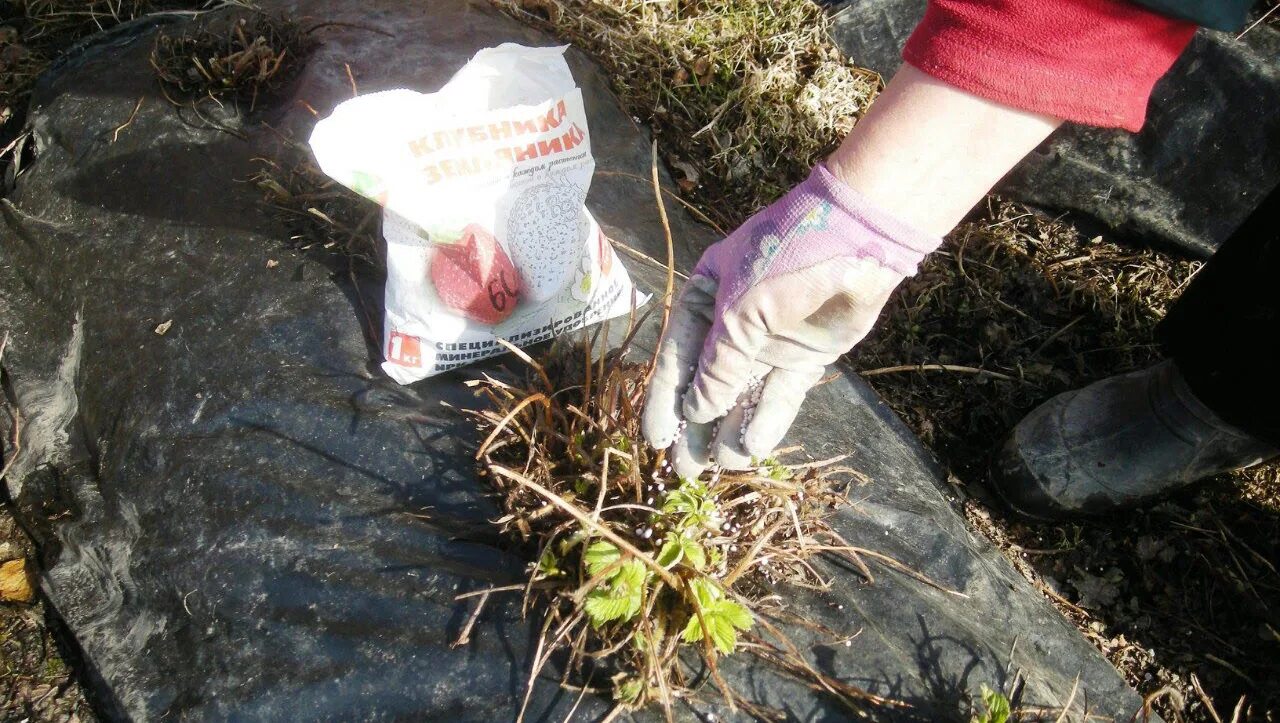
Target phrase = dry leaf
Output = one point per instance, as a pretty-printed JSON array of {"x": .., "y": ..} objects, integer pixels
[
  {"x": 15, "y": 582},
  {"x": 690, "y": 173},
  {"x": 702, "y": 69},
  {"x": 164, "y": 327}
]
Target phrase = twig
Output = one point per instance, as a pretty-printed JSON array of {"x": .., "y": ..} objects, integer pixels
[
  {"x": 668, "y": 296},
  {"x": 486, "y": 591},
  {"x": 116, "y": 134},
  {"x": 1055, "y": 335},
  {"x": 616, "y": 711},
  {"x": 1066, "y": 709},
  {"x": 586, "y": 520},
  {"x": 644, "y": 257},
  {"x": 581, "y": 694},
  {"x": 1204, "y": 698},
  {"x": 935, "y": 368},
  {"x": 1255, "y": 24},
  {"x": 527, "y": 360},
  {"x": 748, "y": 559},
  {"x": 689, "y": 206},
  {"x": 16, "y": 443},
  {"x": 352, "y": 79},
  {"x": 1053, "y": 595},
  {"x": 1229, "y": 666},
  {"x": 357, "y": 26},
  {"x": 842, "y": 691},
  {"x": 892, "y": 564},
  {"x": 497, "y": 429},
  {"x": 464, "y": 637},
  {"x": 1239, "y": 711},
  {"x": 537, "y": 667}
]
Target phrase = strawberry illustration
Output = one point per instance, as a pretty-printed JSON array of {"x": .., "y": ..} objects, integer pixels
[
  {"x": 546, "y": 231},
  {"x": 475, "y": 278},
  {"x": 605, "y": 252}
]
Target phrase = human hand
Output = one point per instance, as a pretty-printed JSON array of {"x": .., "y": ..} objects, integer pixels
[{"x": 766, "y": 309}]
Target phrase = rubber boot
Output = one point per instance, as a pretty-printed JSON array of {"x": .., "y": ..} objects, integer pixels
[{"x": 1117, "y": 443}]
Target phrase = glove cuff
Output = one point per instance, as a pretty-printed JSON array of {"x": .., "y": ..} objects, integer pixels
[
  {"x": 820, "y": 220},
  {"x": 890, "y": 227},
  {"x": 893, "y": 242}
]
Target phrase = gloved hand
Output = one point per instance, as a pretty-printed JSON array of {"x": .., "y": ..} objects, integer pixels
[{"x": 766, "y": 309}]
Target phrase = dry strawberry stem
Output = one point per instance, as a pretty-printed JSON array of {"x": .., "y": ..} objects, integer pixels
[
  {"x": 318, "y": 211},
  {"x": 241, "y": 57},
  {"x": 646, "y": 579}
]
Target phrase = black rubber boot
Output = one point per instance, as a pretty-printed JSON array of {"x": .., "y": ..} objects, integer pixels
[{"x": 1117, "y": 443}]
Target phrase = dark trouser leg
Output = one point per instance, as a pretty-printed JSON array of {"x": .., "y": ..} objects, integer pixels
[{"x": 1224, "y": 331}]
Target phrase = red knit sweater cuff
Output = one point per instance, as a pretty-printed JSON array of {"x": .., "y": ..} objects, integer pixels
[{"x": 1088, "y": 61}]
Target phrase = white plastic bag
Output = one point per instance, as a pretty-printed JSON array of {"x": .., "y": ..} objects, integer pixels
[{"x": 483, "y": 185}]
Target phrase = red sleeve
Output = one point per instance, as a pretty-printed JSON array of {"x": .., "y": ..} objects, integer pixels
[{"x": 1088, "y": 61}]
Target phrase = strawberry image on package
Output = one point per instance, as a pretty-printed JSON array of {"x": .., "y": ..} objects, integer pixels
[
  {"x": 483, "y": 185},
  {"x": 475, "y": 278}
]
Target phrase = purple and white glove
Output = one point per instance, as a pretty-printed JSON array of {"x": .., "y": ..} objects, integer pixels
[{"x": 767, "y": 308}]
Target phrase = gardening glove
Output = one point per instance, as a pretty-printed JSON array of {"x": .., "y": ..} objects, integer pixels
[{"x": 766, "y": 309}]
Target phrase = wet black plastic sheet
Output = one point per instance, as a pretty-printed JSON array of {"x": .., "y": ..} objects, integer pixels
[{"x": 242, "y": 519}]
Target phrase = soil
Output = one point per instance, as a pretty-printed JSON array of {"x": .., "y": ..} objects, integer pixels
[{"x": 35, "y": 682}]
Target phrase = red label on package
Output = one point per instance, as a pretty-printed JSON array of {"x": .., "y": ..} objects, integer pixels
[{"x": 404, "y": 350}]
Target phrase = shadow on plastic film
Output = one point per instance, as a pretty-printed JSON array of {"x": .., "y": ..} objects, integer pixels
[
  {"x": 945, "y": 695},
  {"x": 212, "y": 192}
]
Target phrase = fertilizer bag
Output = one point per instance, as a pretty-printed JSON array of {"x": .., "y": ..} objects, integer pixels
[{"x": 483, "y": 185}]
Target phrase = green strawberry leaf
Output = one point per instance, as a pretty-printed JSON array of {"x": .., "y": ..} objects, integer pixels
[
  {"x": 723, "y": 620},
  {"x": 600, "y": 555},
  {"x": 548, "y": 565},
  {"x": 705, "y": 592},
  {"x": 628, "y": 691},
  {"x": 602, "y": 607},
  {"x": 997, "y": 707},
  {"x": 620, "y": 598},
  {"x": 692, "y": 630},
  {"x": 632, "y": 576},
  {"x": 723, "y": 636},
  {"x": 694, "y": 553},
  {"x": 672, "y": 551},
  {"x": 736, "y": 615}
]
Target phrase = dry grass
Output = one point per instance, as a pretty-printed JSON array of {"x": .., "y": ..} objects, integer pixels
[
  {"x": 318, "y": 211},
  {"x": 743, "y": 97},
  {"x": 1029, "y": 298},
  {"x": 1178, "y": 595},
  {"x": 40, "y": 30},
  {"x": 643, "y": 578},
  {"x": 243, "y": 57},
  {"x": 643, "y": 581},
  {"x": 33, "y": 33}
]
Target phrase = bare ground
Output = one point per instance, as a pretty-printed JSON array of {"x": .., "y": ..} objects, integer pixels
[{"x": 35, "y": 682}]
